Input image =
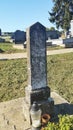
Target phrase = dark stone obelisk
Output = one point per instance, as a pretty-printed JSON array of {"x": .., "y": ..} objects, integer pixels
[
  {"x": 37, "y": 89},
  {"x": 37, "y": 69}
]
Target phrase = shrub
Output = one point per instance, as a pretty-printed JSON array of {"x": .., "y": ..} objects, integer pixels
[{"x": 65, "y": 123}]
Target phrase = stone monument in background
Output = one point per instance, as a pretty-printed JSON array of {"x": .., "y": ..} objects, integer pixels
[
  {"x": 37, "y": 89},
  {"x": 19, "y": 36}
]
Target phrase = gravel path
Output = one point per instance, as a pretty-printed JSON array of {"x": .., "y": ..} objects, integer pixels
[
  {"x": 12, "y": 56},
  {"x": 24, "y": 55},
  {"x": 61, "y": 51}
]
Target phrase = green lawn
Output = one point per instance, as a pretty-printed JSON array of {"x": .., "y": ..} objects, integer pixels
[
  {"x": 54, "y": 48},
  {"x": 13, "y": 79},
  {"x": 13, "y": 76},
  {"x": 60, "y": 74},
  {"x": 8, "y": 48}
]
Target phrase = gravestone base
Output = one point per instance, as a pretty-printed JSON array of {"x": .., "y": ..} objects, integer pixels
[
  {"x": 47, "y": 107},
  {"x": 42, "y": 97},
  {"x": 26, "y": 111},
  {"x": 37, "y": 95}
]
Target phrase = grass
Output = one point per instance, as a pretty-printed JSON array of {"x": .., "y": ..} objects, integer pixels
[
  {"x": 13, "y": 77},
  {"x": 8, "y": 48},
  {"x": 54, "y": 48},
  {"x": 60, "y": 74},
  {"x": 7, "y": 38}
]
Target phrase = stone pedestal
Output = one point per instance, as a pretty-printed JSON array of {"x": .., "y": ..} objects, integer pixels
[
  {"x": 37, "y": 89},
  {"x": 47, "y": 107},
  {"x": 26, "y": 111},
  {"x": 37, "y": 95}
]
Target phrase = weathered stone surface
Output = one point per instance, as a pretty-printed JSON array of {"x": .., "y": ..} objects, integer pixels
[
  {"x": 12, "y": 113},
  {"x": 36, "y": 49},
  {"x": 37, "y": 89},
  {"x": 26, "y": 111}
]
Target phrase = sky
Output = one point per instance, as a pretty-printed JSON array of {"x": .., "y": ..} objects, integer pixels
[{"x": 20, "y": 14}]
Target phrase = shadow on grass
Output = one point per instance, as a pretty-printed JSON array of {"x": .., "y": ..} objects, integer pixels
[
  {"x": 63, "y": 109},
  {"x": 1, "y": 51}
]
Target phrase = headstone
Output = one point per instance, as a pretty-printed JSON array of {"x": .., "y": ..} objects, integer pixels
[
  {"x": 52, "y": 34},
  {"x": 19, "y": 36},
  {"x": 37, "y": 89}
]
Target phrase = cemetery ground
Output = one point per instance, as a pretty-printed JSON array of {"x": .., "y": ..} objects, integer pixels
[
  {"x": 13, "y": 77},
  {"x": 8, "y": 48},
  {"x": 54, "y": 47}
]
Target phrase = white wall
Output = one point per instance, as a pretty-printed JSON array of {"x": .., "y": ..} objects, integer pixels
[
  {"x": 55, "y": 42},
  {"x": 72, "y": 28}
]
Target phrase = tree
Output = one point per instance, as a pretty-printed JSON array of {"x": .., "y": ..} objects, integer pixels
[
  {"x": 52, "y": 28},
  {"x": 47, "y": 29},
  {"x": 62, "y": 13}
]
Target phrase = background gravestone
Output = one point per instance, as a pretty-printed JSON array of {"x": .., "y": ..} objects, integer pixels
[{"x": 19, "y": 36}]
